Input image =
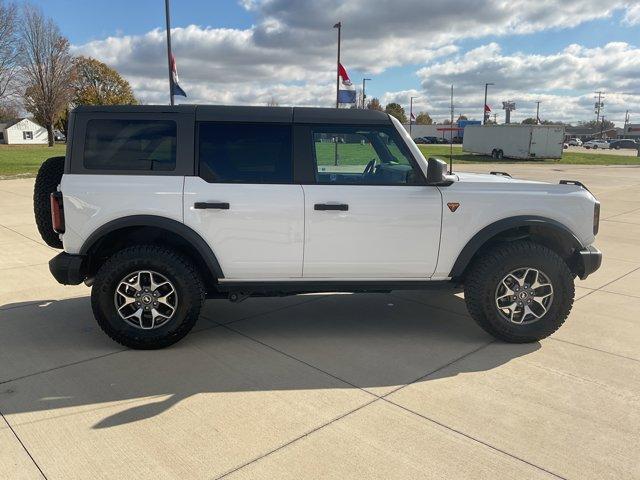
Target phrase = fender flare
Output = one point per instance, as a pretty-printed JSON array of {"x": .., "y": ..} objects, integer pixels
[
  {"x": 500, "y": 226},
  {"x": 174, "y": 226}
]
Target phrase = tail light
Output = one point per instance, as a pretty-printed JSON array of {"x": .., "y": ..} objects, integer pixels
[
  {"x": 596, "y": 218},
  {"x": 57, "y": 212}
]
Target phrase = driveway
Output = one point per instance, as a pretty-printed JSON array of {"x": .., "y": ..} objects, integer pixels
[{"x": 400, "y": 385}]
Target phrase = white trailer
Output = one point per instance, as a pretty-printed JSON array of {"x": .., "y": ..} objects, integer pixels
[{"x": 514, "y": 141}]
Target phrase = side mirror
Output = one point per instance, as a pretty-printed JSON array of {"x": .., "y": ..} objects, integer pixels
[{"x": 436, "y": 171}]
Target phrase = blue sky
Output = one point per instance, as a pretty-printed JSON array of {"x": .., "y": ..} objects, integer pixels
[{"x": 119, "y": 18}]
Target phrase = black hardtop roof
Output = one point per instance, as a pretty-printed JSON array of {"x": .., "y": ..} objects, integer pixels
[{"x": 230, "y": 113}]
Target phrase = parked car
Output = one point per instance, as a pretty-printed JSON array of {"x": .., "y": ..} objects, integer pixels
[
  {"x": 575, "y": 142},
  {"x": 595, "y": 144},
  {"x": 624, "y": 143},
  {"x": 158, "y": 208},
  {"x": 58, "y": 136}
]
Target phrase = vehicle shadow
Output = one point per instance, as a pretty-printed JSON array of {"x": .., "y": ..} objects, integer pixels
[{"x": 377, "y": 342}]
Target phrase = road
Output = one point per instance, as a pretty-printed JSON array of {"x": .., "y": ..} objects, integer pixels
[{"x": 389, "y": 386}]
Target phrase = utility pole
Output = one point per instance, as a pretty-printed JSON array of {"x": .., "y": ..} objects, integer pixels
[
  {"x": 538, "y": 112},
  {"x": 599, "y": 104},
  {"x": 364, "y": 95},
  {"x": 626, "y": 122},
  {"x": 339, "y": 27},
  {"x": 451, "y": 136},
  {"x": 602, "y": 128},
  {"x": 485, "y": 114},
  {"x": 169, "y": 55},
  {"x": 411, "y": 114}
]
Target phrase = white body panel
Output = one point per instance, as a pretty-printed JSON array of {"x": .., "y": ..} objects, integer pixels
[
  {"x": 91, "y": 201},
  {"x": 388, "y": 231},
  {"x": 515, "y": 141},
  {"x": 260, "y": 236},
  {"x": 485, "y": 199}
]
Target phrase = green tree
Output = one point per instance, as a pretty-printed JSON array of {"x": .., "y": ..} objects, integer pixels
[
  {"x": 423, "y": 118},
  {"x": 396, "y": 110},
  {"x": 598, "y": 125},
  {"x": 95, "y": 83},
  {"x": 374, "y": 104},
  {"x": 462, "y": 118},
  {"x": 529, "y": 121}
]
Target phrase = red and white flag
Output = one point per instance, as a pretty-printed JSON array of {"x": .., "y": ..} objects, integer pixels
[{"x": 175, "y": 88}]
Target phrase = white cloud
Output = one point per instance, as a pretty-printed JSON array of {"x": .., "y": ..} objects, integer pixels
[
  {"x": 559, "y": 80},
  {"x": 289, "y": 54}
]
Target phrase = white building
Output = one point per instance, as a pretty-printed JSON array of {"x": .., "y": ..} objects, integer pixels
[{"x": 22, "y": 132}]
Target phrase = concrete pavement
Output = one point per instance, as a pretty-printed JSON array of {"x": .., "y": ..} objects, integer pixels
[{"x": 400, "y": 385}]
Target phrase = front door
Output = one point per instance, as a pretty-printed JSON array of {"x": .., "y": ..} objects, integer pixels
[
  {"x": 369, "y": 214},
  {"x": 244, "y": 202}
]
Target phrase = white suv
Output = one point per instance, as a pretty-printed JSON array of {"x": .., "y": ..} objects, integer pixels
[{"x": 159, "y": 208}]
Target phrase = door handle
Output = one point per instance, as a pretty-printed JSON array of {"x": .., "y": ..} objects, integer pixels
[
  {"x": 342, "y": 207},
  {"x": 211, "y": 205}
]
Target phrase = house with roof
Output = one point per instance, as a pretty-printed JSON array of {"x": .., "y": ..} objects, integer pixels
[{"x": 22, "y": 131}]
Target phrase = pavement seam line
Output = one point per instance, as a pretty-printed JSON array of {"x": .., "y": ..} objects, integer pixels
[
  {"x": 481, "y": 442},
  {"x": 62, "y": 366},
  {"x": 15, "y": 434},
  {"x": 593, "y": 348},
  {"x": 29, "y": 238},
  {"x": 31, "y": 303},
  {"x": 296, "y": 439}
]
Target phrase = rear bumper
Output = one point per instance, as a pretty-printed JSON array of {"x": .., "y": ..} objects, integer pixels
[
  {"x": 587, "y": 261},
  {"x": 68, "y": 269}
]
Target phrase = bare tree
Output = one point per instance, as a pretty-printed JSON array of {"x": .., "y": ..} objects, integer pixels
[
  {"x": 47, "y": 68},
  {"x": 8, "y": 48}
]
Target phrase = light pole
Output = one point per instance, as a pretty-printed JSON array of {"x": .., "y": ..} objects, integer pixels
[
  {"x": 538, "y": 112},
  {"x": 364, "y": 96},
  {"x": 168, "y": 20},
  {"x": 411, "y": 113},
  {"x": 339, "y": 27},
  {"x": 484, "y": 107}
]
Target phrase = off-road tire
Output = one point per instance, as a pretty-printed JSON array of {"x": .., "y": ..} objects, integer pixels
[
  {"x": 47, "y": 181},
  {"x": 175, "y": 267},
  {"x": 488, "y": 270}
]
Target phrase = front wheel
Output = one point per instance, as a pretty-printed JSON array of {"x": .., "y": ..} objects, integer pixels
[
  {"x": 147, "y": 297},
  {"x": 519, "y": 292}
]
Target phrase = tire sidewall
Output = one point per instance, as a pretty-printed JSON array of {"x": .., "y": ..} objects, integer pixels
[
  {"x": 188, "y": 293},
  {"x": 563, "y": 291}
]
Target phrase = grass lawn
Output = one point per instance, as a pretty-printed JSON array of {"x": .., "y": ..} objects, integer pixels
[
  {"x": 576, "y": 158},
  {"x": 25, "y": 160}
]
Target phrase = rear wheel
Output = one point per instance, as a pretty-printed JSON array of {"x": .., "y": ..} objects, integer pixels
[
  {"x": 147, "y": 297},
  {"x": 519, "y": 292},
  {"x": 47, "y": 181}
]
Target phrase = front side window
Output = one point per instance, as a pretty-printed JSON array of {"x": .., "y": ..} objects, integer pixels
[
  {"x": 361, "y": 155},
  {"x": 130, "y": 145},
  {"x": 27, "y": 135},
  {"x": 245, "y": 153}
]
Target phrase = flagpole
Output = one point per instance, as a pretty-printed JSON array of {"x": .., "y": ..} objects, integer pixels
[
  {"x": 166, "y": 9},
  {"x": 339, "y": 27}
]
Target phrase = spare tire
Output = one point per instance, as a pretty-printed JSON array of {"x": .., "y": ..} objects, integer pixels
[{"x": 47, "y": 181}]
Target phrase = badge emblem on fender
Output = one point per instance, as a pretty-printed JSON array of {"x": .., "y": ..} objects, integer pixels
[{"x": 453, "y": 206}]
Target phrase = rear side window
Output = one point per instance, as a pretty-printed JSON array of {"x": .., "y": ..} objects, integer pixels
[
  {"x": 130, "y": 145},
  {"x": 245, "y": 153}
]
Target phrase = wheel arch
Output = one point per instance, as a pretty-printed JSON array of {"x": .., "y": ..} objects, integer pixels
[
  {"x": 151, "y": 229},
  {"x": 546, "y": 231}
]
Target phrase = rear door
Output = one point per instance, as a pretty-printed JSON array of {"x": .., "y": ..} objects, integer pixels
[
  {"x": 243, "y": 201},
  {"x": 368, "y": 213}
]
